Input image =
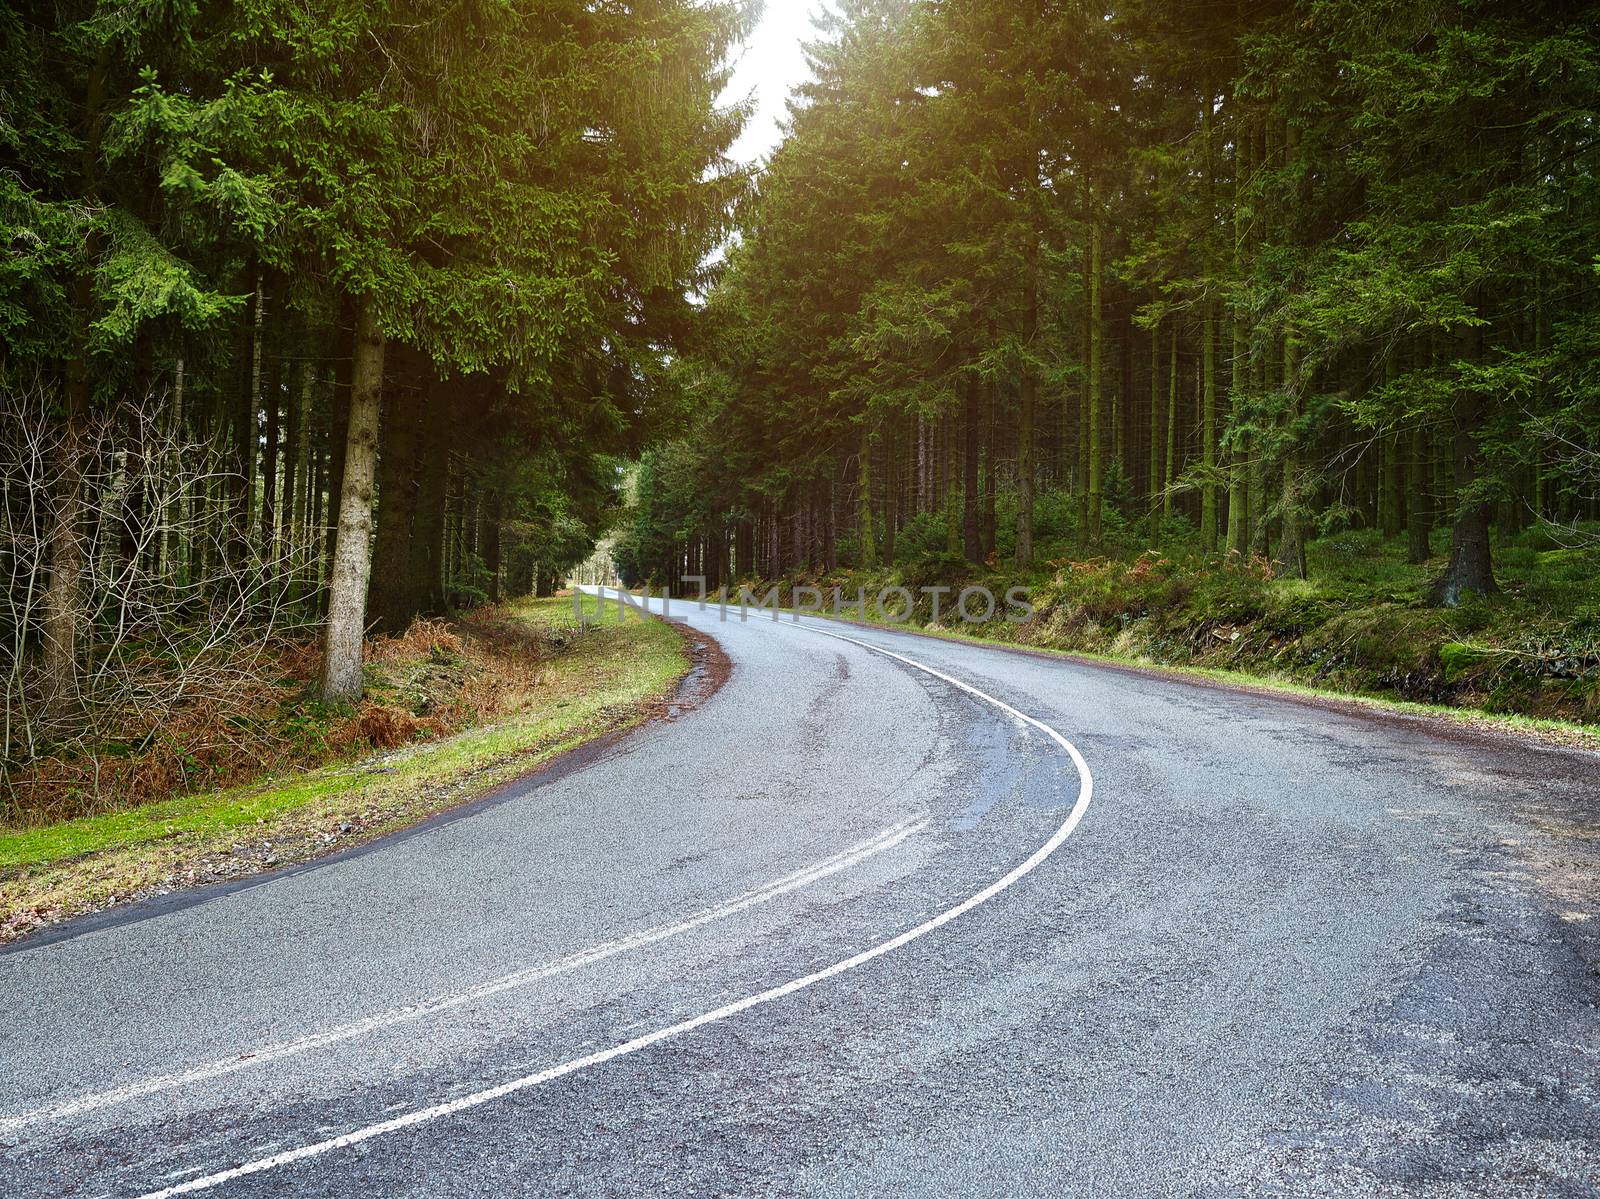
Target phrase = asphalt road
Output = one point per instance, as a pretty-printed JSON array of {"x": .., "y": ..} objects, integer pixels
[{"x": 850, "y": 928}]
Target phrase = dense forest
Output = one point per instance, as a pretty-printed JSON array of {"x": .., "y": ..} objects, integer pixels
[
  {"x": 317, "y": 319},
  {"x": 1032, "y": 280},
  {"x": 336, "y": 313}
]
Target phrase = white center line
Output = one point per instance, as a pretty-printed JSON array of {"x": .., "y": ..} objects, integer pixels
[
  {"x": 727, "y": 1011},
  {"x": 887, "y": 839}
]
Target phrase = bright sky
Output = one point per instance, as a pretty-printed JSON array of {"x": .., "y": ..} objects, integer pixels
[{"x": 769, "y": 65}]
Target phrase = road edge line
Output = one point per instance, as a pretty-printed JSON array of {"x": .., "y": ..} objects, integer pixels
[{"x": 717, "y": 1015}]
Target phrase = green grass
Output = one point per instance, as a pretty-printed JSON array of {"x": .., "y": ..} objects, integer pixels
[
  {"x": 604, "y": 678},
  {"x": 213, "y": 812}
]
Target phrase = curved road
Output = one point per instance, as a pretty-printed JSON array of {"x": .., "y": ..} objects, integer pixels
[{"x": 860, "y": 925}]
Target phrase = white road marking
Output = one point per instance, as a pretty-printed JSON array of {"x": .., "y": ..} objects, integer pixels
[
  {"x": 727, "y": 1011},
  {"x": 887, "y": 839}
]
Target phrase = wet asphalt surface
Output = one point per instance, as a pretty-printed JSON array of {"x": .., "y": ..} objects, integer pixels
[{"x": 1288, "y": 951}]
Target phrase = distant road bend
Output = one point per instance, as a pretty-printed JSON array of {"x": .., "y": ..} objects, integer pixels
[{"x": 887, "y": 915}]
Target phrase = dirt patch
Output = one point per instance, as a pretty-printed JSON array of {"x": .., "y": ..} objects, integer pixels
[{"x": 709, "y": 668}]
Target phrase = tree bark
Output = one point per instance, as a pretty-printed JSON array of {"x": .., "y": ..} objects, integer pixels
[
  {"x": 294, "y": 434},
  {"x": 391, "y": 601},
  {"x": 299, "y": 522},
  {"x": 1169, "y": 464},
  {"x": 1153, "y": 482},
  {"x": 1027, "y": 447},
  {"x": 988, "y": 519},
  {"x": 1238, "y": 455},
  {"x": 269, "y": 459},
  {"x": 63, "y": 604},
  {"x": 953, "y": 514},
  {"x": 489, "y": 541},
  {"x": 425, "y": 560},
  {"x": 1419, "y": 524},
  {"x": 1291, "y": 543},
  {"x": 338, "y": 439},
  {"x": 1209, "y": 517},
  {"x": 63, "y": 601},
  {"x": 1260, "y": 525},
  {"x": 246, "y": 415},
  {"x": 920, "y": 498},
  {"x": 744, "y": 550},
  {"x": 972, "y": 542},
  {"x": 1259, "y": 532},
  {"x": 1389, "y": 511},
  {"x": 867, "y": 552},
  {"x": 891, "y": 497},
  {"x": 1471, "y": 567},
  {"x": 171, "y": 549},
  {"x": 347, "y": 590},
  {"x": 1096, "y": 350},
  {"x": 1209, "y": 530},
  {"x": 1126, "y": 402},
  {"x": 830, "y": 540}
]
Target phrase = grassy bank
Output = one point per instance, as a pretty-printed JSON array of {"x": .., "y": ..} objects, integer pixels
[
  {"x": 527, "y": 683},
  {"x": 1359, "y": 626}
]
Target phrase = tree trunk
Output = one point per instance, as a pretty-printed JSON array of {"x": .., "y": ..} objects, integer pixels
[
  {"x": 953, "y": 503},
  {"x": 972, "y": 542},
  {"x": 1124, "y": 441},
  {"x": 1260, "y": 526},
  {"x": 891, "y": 497},
  {"x": 1471, "y": 568},
  {"x": 744, "y": 550},
  {"x": 986, "y": 534},
  {"x": 391, "y": 601},
  {"x": 1238, "y": 455},
  {"x": 1153, "y": 478},
  {"x": 269, "y": 460},
  {"x": 246, "y": 415},
  {"x": 338, "y": 439},
  {"x": 425, "y": 560},
  {"x": 1096, "y": 350},
  {"x": 63, "y": 602},
  {"x": 1208, "y": 355},
  {"x": 1419, "y": 524},
  {"x": 1080, "y": 483},
  {"x": 1025, "y": 480},
  {"x": 830, "y": 532},
  {"x": 489, "y": 541},
  {"x": 347, "y": 589},
  {"x": 299, "y": 516},
  {"x": 867, "y": 553},
  {"x": 170, "y": 546},
  {"x": 1291, "y": 544},
  {"x": 1027, "y": 448},
  {"x": 1258, "y": 531},
  {"x": 1169, "y": 464},
  {"x": 294, "y": 434},
  {"x": 1389, "y": 515},
  {"x": 920, "y": 498}
]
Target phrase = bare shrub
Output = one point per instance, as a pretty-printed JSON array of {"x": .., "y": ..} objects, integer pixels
[
  {"x": 1572, "y": 456},
  {"x": 178, "y": 623}
]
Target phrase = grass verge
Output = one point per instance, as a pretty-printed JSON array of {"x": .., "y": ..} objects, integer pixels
[{"x": 580, "y": 685}]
